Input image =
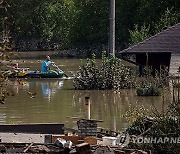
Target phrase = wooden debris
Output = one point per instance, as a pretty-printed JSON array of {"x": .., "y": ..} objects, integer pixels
[
  {"x": 42, "y": 128},
  {"x": 31, "y": 148},
  {"x": 2, "y": 149},
  {"x": 40, "y": 149},
  {"x": 73, "y": 151},
  {"x": 91, "y": 140},
  {"x": 118, "y": 151},
  {"x": 83, "y": 148},
  {"x": 74, "y": 139},
  {"x": 103, "y": 150},
  {"x": 28, "y": 147}
]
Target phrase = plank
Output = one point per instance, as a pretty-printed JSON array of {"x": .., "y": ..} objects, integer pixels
[{"x": 43, "y": 128}]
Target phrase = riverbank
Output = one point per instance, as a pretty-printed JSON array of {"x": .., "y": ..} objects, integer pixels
[
  {"x": 71, "y": 53},
  {"x": 42, "y": 54}
]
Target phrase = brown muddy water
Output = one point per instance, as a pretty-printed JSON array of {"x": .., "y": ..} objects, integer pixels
[{"x": 56, "y": 101}]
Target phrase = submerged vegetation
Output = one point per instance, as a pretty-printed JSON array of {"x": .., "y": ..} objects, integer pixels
[
  {"x": 112, "y": 74},
  {"x": 109, "y": 74},
  {"x": 146, "y": 88},
  {"x": 152, "y": 85},
  {"x": 162, "y": 127}
]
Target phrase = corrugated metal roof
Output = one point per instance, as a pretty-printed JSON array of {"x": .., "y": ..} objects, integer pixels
[{"x": 165, "y": 41}]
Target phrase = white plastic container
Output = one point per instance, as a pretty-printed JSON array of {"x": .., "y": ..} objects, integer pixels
[
  {"x": 68, "y": 144},
  {"x": 111, "y": 141},
  {"x": 60, "y": 142}
]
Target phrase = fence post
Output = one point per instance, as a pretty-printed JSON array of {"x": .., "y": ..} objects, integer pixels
[{"x": 87, "y": 108}]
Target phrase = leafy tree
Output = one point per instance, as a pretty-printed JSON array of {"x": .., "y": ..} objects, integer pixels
[
  {"x": 167, "y": 19},
  {"x": 39, "y": 20},
  {"x": 90, "y": 23},
  {"x": 126, "y": 12},
  {"x": 139, "y": 35},
  {"x": 143, "y": 13},
  {"x": 84, "y": 23},
  {"x": 5, "y": 60}
]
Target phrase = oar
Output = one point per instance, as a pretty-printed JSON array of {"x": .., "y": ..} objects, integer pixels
[
  {"x": 60, "y": 69},
  {"x": 66, "y": 75}
]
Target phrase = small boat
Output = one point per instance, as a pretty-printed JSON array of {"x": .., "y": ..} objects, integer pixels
[{"x": 37, "y": 74}]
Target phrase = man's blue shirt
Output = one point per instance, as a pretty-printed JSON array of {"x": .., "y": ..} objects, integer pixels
[{"x": 45, "y": 65}]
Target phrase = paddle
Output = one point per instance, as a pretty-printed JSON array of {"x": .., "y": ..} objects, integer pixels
[
  {"x": 60, "y": 69},
  {"x": 66, "y": 75}
]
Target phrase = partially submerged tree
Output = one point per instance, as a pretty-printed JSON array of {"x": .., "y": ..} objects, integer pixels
[
  {"x": 5, "y": 60},
  {"x": 111, "y": 73}
]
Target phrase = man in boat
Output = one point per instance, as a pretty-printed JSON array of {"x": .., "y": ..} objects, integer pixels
[
  {"x": 16, "y": 69},
  {"x": 46, "y": 64}
]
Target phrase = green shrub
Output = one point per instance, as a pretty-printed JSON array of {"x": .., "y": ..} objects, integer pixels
[
  {"x": 111, "y": 74},
  {"x": 157, "y": 127},
  {"x": 152, "y": 85},
  {"x": 148, "y": 88}
]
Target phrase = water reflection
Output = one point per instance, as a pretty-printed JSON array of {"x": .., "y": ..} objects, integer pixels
[
  {"x": 18, "y": 85},
  {"x": 111, "y": 107},
  {"x": 56, "y": 101},
  {"x": 50, "y": 88}
]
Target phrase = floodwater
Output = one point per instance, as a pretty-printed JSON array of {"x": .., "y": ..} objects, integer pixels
[{"x": 56, "y": 101}]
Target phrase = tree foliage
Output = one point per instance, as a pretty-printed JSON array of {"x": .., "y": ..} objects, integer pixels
[
  {"x": 139, "y": 35},
  {"x": 46, "y": 21},
  {"x": 111, "y": 74},
  {"x": 90, "y": 23},
  {"x": 84, "y": 23},
  {"x": 167, "y": 19},
  {"x": 5, "y": 60}
]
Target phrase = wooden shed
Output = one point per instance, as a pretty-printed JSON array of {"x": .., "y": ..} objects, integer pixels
[{"x": 157, "y": 52}]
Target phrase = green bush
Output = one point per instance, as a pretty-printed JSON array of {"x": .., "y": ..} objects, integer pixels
[
  {"x": 152, "y": 85},
  {"x": 157, "y": 127},
  {"x": 111, "y": 74},
  {"x": 148, "y": 88}
]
